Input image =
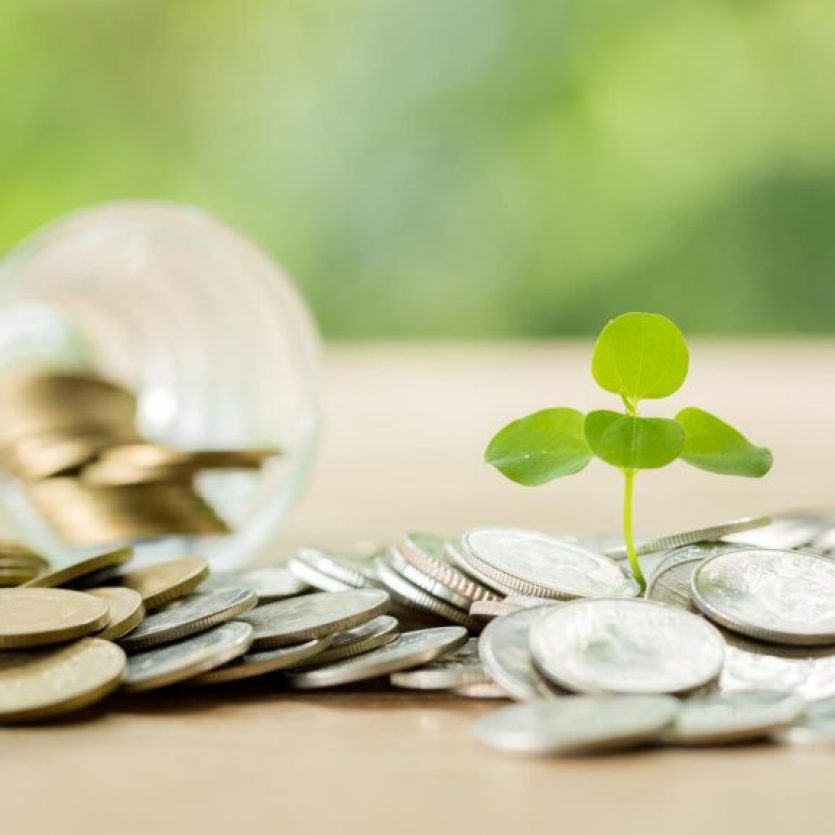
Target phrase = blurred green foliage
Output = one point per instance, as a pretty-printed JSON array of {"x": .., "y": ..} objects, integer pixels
[{"x": 454, "y": 167}]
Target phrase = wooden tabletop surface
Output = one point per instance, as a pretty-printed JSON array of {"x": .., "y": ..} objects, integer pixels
[{"x": 406, "y": 426}]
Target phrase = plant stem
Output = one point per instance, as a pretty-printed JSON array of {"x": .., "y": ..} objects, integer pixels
[{"x": 628, "y": 489}]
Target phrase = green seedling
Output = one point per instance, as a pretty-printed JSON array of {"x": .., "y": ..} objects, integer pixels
[{"x": 638, "y": 356}]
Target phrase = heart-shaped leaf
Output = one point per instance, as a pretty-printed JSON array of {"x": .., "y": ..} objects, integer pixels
[
  {"x": 713, "y": 445},
  {"x": 540, "y": 447},
  {"x": 640, "y": 355},
  {"x": 633, "y": 443}
]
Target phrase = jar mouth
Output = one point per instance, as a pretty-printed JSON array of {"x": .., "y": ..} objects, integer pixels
[{"x": 206, "y": 330}]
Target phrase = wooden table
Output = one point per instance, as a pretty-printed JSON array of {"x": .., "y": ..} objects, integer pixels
[{"x": 406, "y": 429}]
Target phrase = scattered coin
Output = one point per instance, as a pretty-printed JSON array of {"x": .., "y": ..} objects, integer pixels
[
  {"x": 781, "y": 596},
  {"x": 457, "y": 668},
  {"x": 577, "y": 725},
  {"x": 124, "y": 610},
  {"x": 626, "y": 646},
  {"x": 430, "y": 555},
  {"x": 806, "y": 672},
  {"x": 530, "y": 563},
  {"x": 492, "y": 608},
  {"x": 83, "y": 568},
  {"x": 397, "y": 562},
  {"x": 163, "y": 582},
  {"x": 359, "y": 639},
  {"x": 670, "y": 582},
  {"x": 409, "y": 650},
  {"x": 34, "y": 617},
  {"x": 709, "y": 534},
  {"x": 816, "y": 727},
  {"x": 269, "y": 582},
  {"x": 408, "y": 594},
  {"x": 43, "y": 683},
  {"x": 355, "y": 570},
  {"x": 20, "y": 554},
  {"x": 187, "y": 659},
  {"x": 311, "y": 616},
  {"x": 723, "y": 718},
  {"x": 787, "y": 530},
  {"x": 255, "y": 664},
  {"x": 504, "y": 648},
  {"x": 195, "y": 613},
  {"x": 307, "y": 574}
]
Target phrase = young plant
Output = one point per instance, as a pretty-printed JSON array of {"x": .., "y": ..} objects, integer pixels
[{"x": 638, "y": 356}]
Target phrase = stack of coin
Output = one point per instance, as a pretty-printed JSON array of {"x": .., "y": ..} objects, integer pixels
[{"x": 72, "y": 440}]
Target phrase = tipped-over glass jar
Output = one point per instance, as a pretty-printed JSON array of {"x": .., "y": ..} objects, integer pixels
[{"x": 207, "y": 331}]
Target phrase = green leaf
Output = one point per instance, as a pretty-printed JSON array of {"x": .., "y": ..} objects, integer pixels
[
  {"x": 540, "y": 447},
  {"x": 633, "y": 443},
  {"x": 711, "y": 444},
  {"x": 640, "y": 355}
]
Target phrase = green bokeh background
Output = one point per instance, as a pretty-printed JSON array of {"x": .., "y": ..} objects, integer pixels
[{"x": 454, "y": 167}]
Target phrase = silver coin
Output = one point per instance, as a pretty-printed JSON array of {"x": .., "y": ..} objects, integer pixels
[
  {"x": 626, "y": 646},
  {"x": 456, "y": 555},
  {"x": 307, "y": 574},
  {"x": 512, "y": 603},
  {"x": 410, "y": 650},
  {"x": 269, "y": 582},
  {"x": 580, "y": 724},
  {"x": 787, "y": 530},
  {"x": 824, "y": 543},
  {"x": 397, "y": 562},
  {"x": 670, "y": 582},
  {"x": 188, "y": 616},
  {"x": 255, "y": 664},
  {"x": 405, "y": 592},
  {"x": 816, "y": 727},
  {"x": 504, "y": 648},
  {"x": 481, "y": 690},
  {"x": 779, "y": 596},
  {"x": 458, "y": 668},
  {"x": 532, "y": 563},
  {"x": 363, "y": 638},
  {"x": 722, "y": 718},
  {"x": 709, "y": 534},
  {"x": 806, "y": 672},
  {"x": 430, "y": 554},
  {"x": 187, "y": 659},
  {"x": 491, "y": 608},
  {"x": 312, "y": 616},
  {"x": 356, "y": 569}
]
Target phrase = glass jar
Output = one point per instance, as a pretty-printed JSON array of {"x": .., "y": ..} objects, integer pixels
[{"x": 207, "y": 331}]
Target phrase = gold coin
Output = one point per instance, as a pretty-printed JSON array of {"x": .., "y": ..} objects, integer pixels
[
  {"x": 33, "y": 404},
  {"x": 34, "y": 617},
  {"x": 16, "y": 576},
  {"x": 118, "y": 473},
  {"x": 43, "y": 683},
  {"x": 87, "y": 515},
  {"x": 82, "y": 568},
  {"x": 124, "y": 607},
  {"x": 19, "y": 551},
  {"x": 155, "y": 456},
  {"x": 53, "y": 455},
  {"x": 165, "y": 581}
]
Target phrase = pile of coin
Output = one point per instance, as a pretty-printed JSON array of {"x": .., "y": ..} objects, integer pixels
[
  {"x": 731, "y": 641},
  {"x": 72, "y": 440}
]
